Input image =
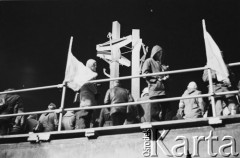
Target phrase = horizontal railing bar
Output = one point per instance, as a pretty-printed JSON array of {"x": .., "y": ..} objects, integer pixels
[
  {"x": 152, "y": 101},
  {"x": 135, "y": 103},
  {"x": 119, "y": 127},
  {"x": 157, "y": 74},
  {"x": 234, "y": 64},
  {"x": 117, "y": 78},
  {"x": 33, "y": 89},
  {"x": 148, "y": 75},
  {"x": 29, "y": 113},
  {"x": 124, "y": 104}
]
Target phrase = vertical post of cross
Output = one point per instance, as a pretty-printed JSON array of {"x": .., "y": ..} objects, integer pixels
[
  {"x": 135, "y": 86},
  {"x": 114, "y": 65}
]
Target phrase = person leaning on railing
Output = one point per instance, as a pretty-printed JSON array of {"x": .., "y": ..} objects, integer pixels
[
  {"x": 9, "y": 104},
  {"x": 228, "y": 99}
]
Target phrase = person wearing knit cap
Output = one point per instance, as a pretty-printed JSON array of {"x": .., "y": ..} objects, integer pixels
[
  {"x": 156, "y": 86},
  {"x": 87, "y": 97},
  {"x": 193, "y": 107}
]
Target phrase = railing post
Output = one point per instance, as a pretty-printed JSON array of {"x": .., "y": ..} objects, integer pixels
[
  {"x": 62, "y": 106},
  {"x": 211, "y": 92}
]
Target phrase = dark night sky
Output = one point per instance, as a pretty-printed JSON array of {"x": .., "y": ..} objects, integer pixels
[{"x": 34, "y": 39}]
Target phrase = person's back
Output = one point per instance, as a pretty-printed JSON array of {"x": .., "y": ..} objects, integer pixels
[
  {"x": 116, "y": 95},
  {"x": 192, "y": 107},
  {"x": 68, "y": 121}
]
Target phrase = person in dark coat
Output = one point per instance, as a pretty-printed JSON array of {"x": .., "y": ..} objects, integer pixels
[
  {"x": 49, "y": 121},
  {"x": 9, "y": 104},
  {"x": 19, "y": 124},
  {"x": 104, "y": 118},
  {"x": 116, "y": 95},
  {"x": 134, "y": 114},
  {"x": 68, "y": 121},
  {"x": 87, "y": 98},
  {"x": 156, "y": 84}
]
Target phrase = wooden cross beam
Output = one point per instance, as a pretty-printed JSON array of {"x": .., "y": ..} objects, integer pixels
[
  {"x": 136, "y": 45},
  {"x": 116, "y": 57},
  {"x": 114, "y": 65}
]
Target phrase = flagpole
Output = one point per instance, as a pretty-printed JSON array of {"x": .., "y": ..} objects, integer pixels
[
  {"x": 211, "y": 90},
  {"x": 64, "y": 89},
  {"x": 69, "y": 50},
  {"x": 62, "y": 106}
]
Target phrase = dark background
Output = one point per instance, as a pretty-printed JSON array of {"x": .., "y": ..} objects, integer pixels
[{"x": 34, "y": 39}]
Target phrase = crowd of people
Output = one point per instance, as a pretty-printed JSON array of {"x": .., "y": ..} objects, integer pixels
[{"x": 119, "y": 115}]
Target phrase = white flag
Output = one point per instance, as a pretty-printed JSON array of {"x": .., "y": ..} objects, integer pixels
[
  {"x": 76, "y": 73},
  {"x": 214, "y": 56}
]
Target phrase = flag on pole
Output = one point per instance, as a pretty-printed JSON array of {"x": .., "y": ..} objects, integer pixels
[
  {"x": 76, "y": 73},
  {"x": 214, "y": 56}
]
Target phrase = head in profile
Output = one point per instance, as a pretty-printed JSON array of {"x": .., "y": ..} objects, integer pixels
[{"x": 92, "y": 65}]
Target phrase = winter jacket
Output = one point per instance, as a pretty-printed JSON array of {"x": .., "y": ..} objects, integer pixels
[
  {"x": 192, "y": 108},
  {"x": 154, "y": 65},
  {"x": 118, "y": 95}
]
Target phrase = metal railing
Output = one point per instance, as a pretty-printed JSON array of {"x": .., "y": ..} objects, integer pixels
[{"x": 61, "y": 109}]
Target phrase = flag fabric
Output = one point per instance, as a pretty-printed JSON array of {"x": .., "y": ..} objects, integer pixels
[
  {"x": 76, "y": 73},
  {"x": 214, "y": 56}
]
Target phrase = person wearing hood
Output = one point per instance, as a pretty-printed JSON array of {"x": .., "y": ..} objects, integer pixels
[
  {"x": 156, "y": 83},
  {"x": 193, "y": 107},
  {"x": 87, "y": 97}
]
